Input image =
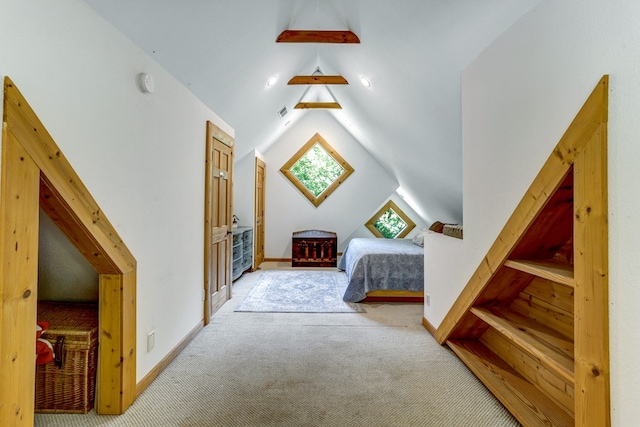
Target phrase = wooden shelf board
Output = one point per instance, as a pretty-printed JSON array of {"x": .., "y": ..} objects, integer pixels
[
  {"x": 317, "y": 36},
  {"x": 317, "y": 105},
  {"x": 555, "y": 271},
  {"x": 528, "y": 404},
  {"x": 318, "y": 80},
  {"x": 550, "y": 348}
]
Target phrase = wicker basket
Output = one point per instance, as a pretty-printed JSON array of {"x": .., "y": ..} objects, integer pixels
[{"x": 70, "y": 388}]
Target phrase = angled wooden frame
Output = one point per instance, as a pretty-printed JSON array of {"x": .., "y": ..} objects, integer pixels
[
  {"x": 36, "y": 173},
  {"x": 582, "y": 151},
  {"x": 390, "y": 205},
  {"x": 286, "y": 169}
]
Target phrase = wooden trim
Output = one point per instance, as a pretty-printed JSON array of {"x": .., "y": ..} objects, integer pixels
[
  {"x": 259, "y": 201},
  {"x": 395, "y": 293},
  {"x": 287, "y": 259},
  {"x": 591, "y": 294},
  {"x": 63, "y": 196},
  {"x": 571, "y": 145},
  {"x": 161, "y": 366},
  {"x": 317, "y": 105},
  {"x": 390, "y": 205},
  {"x": 318, "y": 80},
  {"x": 312, "y": 36},
  {"x": 18, "y": 282},
  {"x": 316, "y": 139},
  {"x": 428, "y": 326},
  {"x": 277, "y": 260},
  {"x": 117, "y": 313},
  {"x": 400, "y": 299},
  {"x": 208, "y": 215}
]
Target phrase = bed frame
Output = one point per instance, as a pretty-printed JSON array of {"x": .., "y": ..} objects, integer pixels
[{"x": 394, "y": 296}]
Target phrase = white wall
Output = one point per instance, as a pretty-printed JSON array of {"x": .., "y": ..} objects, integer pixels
[
  {"x": 140, "y": 155},
  {"x": 244, "y": 188},
  {"x": 345, "y": 211},
  {"x": 63, "y": 272},
  {"x": 519, "y": 96}
]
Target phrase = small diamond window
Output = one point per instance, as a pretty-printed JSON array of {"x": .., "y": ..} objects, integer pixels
[
  {"x": 316, "y": 170},
  {"x": 390, "y": 222}
]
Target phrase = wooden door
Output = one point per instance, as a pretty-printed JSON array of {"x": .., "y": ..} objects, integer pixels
[
  {"x": 218, "y": 219},
  {"x": 261, "y": 170}
]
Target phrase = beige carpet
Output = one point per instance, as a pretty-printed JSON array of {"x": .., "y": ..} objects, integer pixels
[{"x": 379, "y": 368}]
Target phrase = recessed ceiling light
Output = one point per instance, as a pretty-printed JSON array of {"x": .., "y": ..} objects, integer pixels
[
  {"x": 365, "y": 81},
  {"x": 272, "y": 80}
]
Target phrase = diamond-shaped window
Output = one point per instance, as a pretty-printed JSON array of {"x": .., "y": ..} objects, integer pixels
[
  {"x": 316, "y": 169},
  {"x": 390, "y": 222}
]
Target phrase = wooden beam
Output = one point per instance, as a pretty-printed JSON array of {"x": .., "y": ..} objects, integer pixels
[
  {"x": 317, "y": 105},
  {"x": 318, "y": 80},
  {"x": 18, "y": 282},
  {"x": 312, "y": 36}
]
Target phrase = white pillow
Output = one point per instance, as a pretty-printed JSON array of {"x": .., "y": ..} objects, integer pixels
[{"x": 418, "y": 239}]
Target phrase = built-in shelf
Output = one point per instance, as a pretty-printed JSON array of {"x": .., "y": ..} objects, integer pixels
[
  {"x": 530, "y": 406},
  {"x": 555, "y": 271},
  {"x": 532, "y": 328},
  {"x": 547, "y": 346}
]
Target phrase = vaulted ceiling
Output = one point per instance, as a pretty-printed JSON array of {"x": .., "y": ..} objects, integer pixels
[{"x": 412, "y": 52}]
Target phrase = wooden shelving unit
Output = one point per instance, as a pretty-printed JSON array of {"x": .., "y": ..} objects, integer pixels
[{"x": 532, "y": 323}]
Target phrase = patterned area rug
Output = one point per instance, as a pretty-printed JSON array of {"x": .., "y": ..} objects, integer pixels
[{"x": 304, "y": 291}]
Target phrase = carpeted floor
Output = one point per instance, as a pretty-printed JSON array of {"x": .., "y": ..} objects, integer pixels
[
  {"x": 379, "y": 368},
  {"x": 299, "y": 291}
]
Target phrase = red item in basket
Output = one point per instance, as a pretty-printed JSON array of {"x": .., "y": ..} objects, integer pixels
[{"x": 44, "y": 349}]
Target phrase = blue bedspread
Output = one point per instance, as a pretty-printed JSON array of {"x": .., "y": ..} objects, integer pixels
[{"x": 376, "y": 264}]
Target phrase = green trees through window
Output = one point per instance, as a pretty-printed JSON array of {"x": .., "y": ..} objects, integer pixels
[
  {"x": 316, "y": 170},
  {"x": 390, "y": 222}
]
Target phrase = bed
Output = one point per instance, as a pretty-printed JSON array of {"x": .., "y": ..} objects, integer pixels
[{"x": 383, "y": 270}]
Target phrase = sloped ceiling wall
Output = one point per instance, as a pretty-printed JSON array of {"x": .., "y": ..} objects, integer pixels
[
  {"x": 411, "y": 51},
  {"x": 344, "y": 211}
]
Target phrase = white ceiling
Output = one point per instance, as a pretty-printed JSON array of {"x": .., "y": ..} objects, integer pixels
[{"x": 412, "y": 51}]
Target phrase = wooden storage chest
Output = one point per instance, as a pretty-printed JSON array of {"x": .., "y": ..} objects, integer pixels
[
  {"x": 69, "y": 388},
  {"x": 314, "y": 248}
]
